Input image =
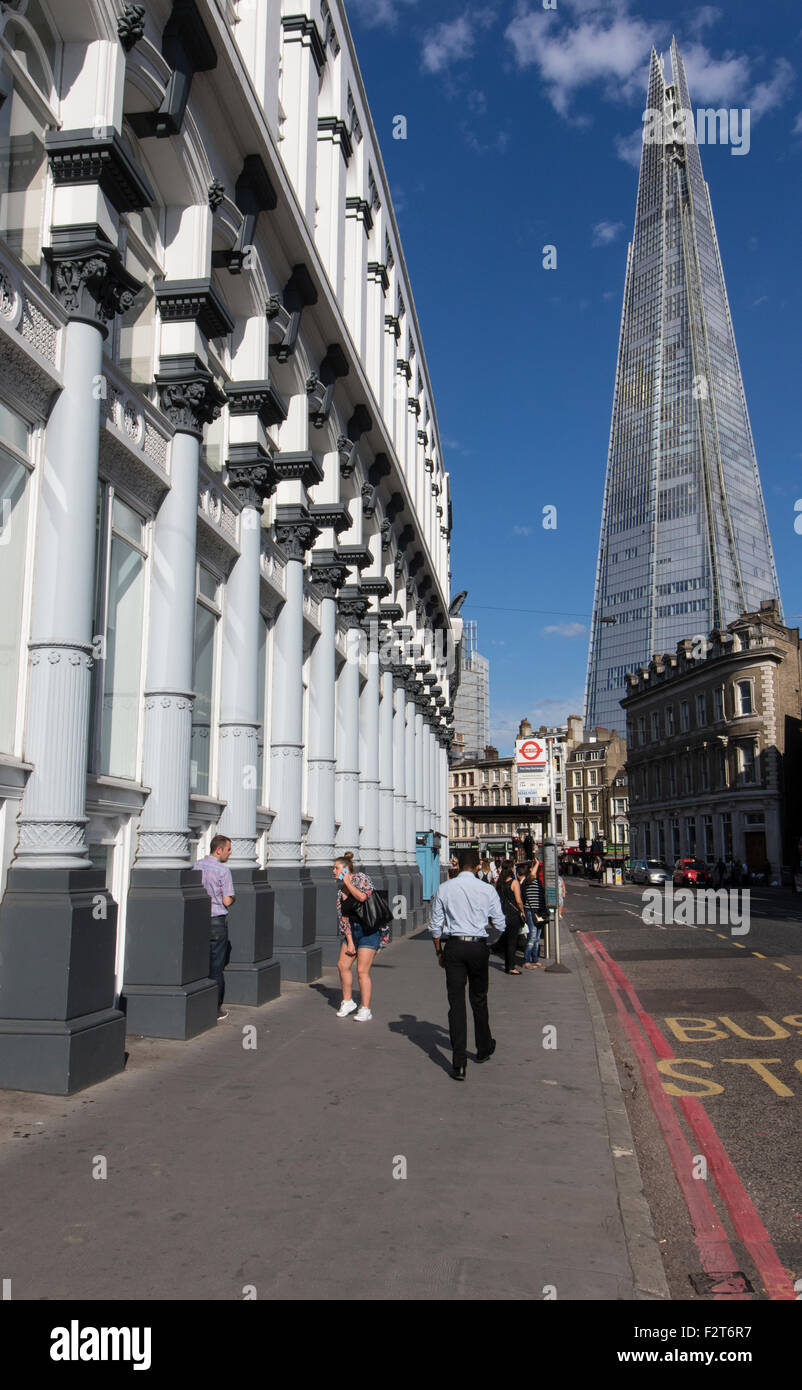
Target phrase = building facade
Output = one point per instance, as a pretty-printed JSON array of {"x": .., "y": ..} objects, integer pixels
[
  {"x": 684, "y": 544},
  {"x": 714, "y": 748},
  {"x": 472, "y": 703},
  {"x": 597, "y": 805},
  {"x": 480, "y": 782},
  {"x": 226, "y": 517}
]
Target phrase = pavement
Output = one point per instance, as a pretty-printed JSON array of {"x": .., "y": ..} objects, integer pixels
[{"x": 292, "y": 1155}]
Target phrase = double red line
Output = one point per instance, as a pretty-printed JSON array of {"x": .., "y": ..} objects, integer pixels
[{"x": 715, "y": 1252}]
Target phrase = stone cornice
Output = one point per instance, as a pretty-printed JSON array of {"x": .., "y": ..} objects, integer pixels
[
  {"x": 299, "y": 28},
  {"x": 332, "y": 128},
  {"x": 87, "y": 274},
  {"x": 188, "y": 393},
  {"x": 251, "y": 476},
  {"x": 391, "y": 612},
  {"x": 391, "y": 323},
  {"x": 377, "y": 586},
  {"x": 357, "y": 555},
  {"x": 198, "y": 300},
  {"x": 333, "y": 514},
  {"x": 359, "y": 209},
  {"x": 295, "y": 531},
  {"x": 298, "y": 467},
  {"x": 257, "y": 398},
  {"x": 78, "y": 156},
  {"x": 377, "y": 273}
]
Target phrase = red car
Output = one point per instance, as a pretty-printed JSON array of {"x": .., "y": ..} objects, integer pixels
[{"x": 690, "y": 873}]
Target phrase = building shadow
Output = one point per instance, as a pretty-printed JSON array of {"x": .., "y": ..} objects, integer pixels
[
  {"x": 331, "y": 993},
  {"x": 429, "y": 1037}
]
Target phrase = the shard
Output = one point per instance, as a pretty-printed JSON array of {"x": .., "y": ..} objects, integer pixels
[{"x": 684, "y": 545}]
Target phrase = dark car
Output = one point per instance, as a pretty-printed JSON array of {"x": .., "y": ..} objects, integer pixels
[
  {"x": 649, "y": 871},
  {"x": 690, "y": 873}
]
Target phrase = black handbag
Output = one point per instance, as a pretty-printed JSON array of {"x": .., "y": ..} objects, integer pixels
[{"x": 372, "y": 915}]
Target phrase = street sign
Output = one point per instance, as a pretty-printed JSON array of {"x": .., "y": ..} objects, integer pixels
[
  {"x": 530, "y": 753},
  {"x": 533, "y": 781}
]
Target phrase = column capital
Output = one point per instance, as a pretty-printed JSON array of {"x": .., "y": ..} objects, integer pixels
[
  {"x": 352, "y": 605},
  {"x": 251, "y": 476},
  {"x": 194, "y": 300},
  {"x": 88, "y": 276},
  {"x": 295, "y": 531},
  {"x": 188, "y": 393},
  {"x": 328, "y": 572}
]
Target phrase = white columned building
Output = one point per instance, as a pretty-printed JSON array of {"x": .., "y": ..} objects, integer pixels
[{"x": 220, "y": 461}]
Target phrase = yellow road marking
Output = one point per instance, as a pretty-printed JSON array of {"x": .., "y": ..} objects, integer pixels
[
  {"x": 741, "y": 946},
  {"x": 780, "y": 966},
  {"x": 757, "y": 953},
  {"x": 721, "y": 934}
]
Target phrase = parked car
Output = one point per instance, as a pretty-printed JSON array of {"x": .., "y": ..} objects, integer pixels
[
  {"x": 649, "y": 871},
  {"x": 690, "y": 873}
]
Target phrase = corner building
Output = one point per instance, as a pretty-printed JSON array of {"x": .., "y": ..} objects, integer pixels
[{"x": 225, "y": 518}]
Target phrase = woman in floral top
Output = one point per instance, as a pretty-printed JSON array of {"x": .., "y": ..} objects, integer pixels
[{"x": 356, "y": 945}]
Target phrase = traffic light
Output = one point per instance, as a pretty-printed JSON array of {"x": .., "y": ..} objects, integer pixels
[{"x": 583, "y": 844}]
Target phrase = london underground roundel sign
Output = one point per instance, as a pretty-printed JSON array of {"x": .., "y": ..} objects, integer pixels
[{"x": 530, "y": 753}]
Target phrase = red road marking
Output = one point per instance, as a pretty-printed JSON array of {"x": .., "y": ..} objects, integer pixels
[
  {"x": 743, "y": 1214},
  {"x": 715, "y": 1253}
]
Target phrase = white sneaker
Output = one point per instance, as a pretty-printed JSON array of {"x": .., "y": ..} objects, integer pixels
[
  {"x": 362, "y": 1015},
  {"x": 347, "y": 1007}
]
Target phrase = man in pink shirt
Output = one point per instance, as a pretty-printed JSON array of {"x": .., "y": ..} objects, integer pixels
[{"x": 219, "y": 885}]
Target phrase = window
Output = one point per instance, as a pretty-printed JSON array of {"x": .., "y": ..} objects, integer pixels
[
  {"x": 701, "y": 711},
  {"x": 710, "y": 849},
  {"x": 747, "y": 763},
  {"x": 655, "y": 726},
  {"x": 207, "y": 613},
  {"x": 593, "y": 777},
  {"x": 684, "y": 716},
  {"x": 657, "y": 778},
  {"x": 13, "y": 537},
  {"x": 704, "y": 774},
  {"x": 669, "y": 720},
  {"x": 672, "y": 778},
  {"x": 29, "y": 53},
  {"x": 119, "y": 620},
  {"x": 647, "y": 839},
  {"x": 675, "y": 850},
  {"x": 642, "y": 729},
  {"x": 577, "y": 803},
  {"x": 593, "y": 801},
  {"x": 686, "y": 776},
  {"x": 577, "y": 779},
  {"x": 718, "y": 703},
  {"x": 726, "y": 835},
  {"x": 690, "y": 833},
  {"x": 744, "y": 702}
]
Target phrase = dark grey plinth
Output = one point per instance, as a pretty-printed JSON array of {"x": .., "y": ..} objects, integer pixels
[
  {"x": 298, "y": 953},
  {"x": 59, "y": 1030},
  {"x": 167, "y": 992},
  {"x": 326, "y": 935},
  {"x": 253, "y": 975}
]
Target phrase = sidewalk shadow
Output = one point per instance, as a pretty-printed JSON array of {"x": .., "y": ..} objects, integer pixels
[
  {"x": 331, "y": 995},
  {"x": 429, "y": 1037}
]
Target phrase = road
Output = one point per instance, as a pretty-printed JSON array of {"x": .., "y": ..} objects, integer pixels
[{"x": 706, "y": 1027}]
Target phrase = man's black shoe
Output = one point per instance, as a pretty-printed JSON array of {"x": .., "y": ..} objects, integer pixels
[
  {"x": 483, "y": 1056},
  {"x": 459, "y": 1073}
]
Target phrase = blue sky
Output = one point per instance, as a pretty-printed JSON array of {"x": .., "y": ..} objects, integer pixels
[{"x": 523, "y": 130}]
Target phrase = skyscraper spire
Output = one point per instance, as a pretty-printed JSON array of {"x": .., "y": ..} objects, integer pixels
[{"x": 684, "y": 544}]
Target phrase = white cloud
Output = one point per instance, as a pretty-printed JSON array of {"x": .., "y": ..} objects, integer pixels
[
  {"x": 607, "y": 45},
  {"x": 522, "y": 530},
  {"x": 767, "y": 95},
  {"x": 374, "y": 13},
  {"x": 566, "y": 630},
  {"x": 605, "y": 232},
  {"x": 704, "y": 18},
  {"x": 628, "y": 147},
  {"x": 454, "y": 40},
  {"x": 715, "y": 79},
  {"x": 797, "y": 127}
]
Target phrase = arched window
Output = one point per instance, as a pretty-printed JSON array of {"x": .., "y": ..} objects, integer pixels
[{"x": 29, "y": 52}]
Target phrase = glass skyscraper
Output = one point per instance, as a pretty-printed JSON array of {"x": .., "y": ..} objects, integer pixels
[{"x": 684, "y": 544}]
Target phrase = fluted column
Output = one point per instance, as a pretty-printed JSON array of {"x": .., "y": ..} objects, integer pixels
[
  {"x": 328, "y": 573},
  {"x": 420, "y": 816},
  {"x": 351, "y": 607},
  {"x": 369, "y": 768},
  {"x": 411, "y": 803},
  {"x": 300, "y": 957},
  {"x": 57, "y": 922},
  {"x": 401, "y": 675},
  {"x": 386, "y": 770},
  {"x": 167, "y": 987},
  {"x": 252, "y": 975}
]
